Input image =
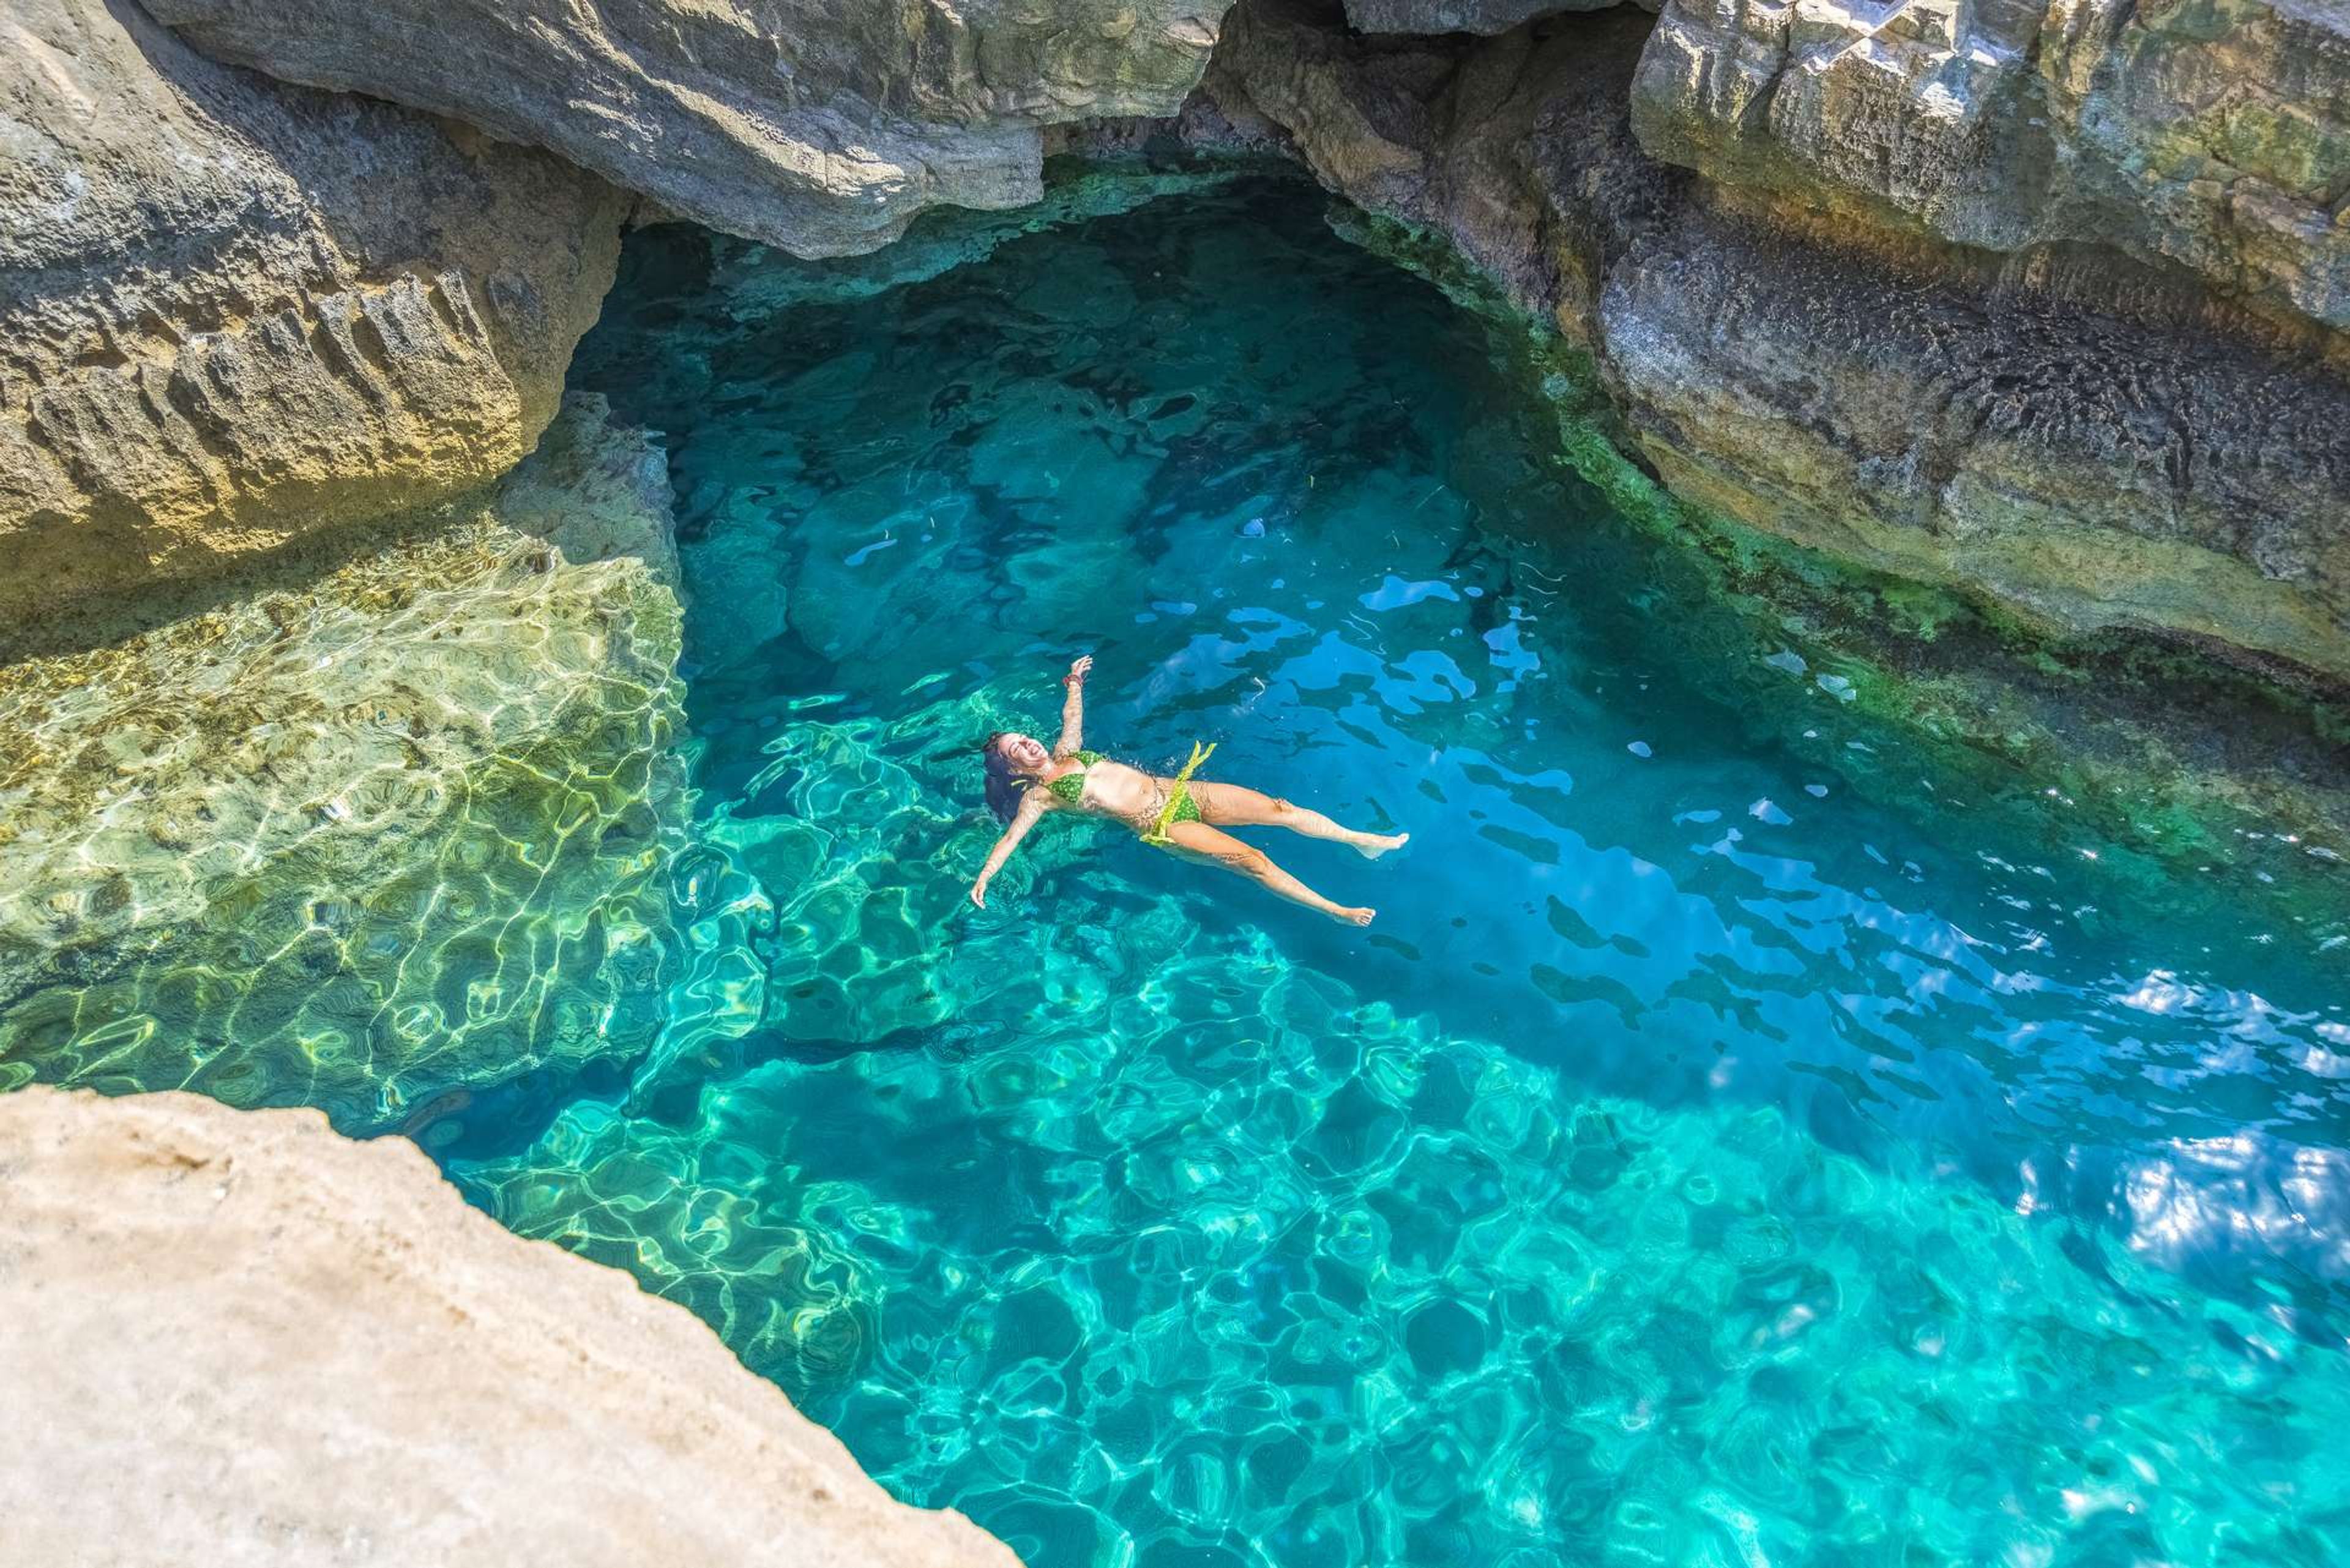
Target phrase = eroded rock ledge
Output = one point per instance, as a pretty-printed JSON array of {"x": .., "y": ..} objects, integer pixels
[
  {"x": 237, "y": 1337},
  {"x": 820, "y": 126},
  {"x": 2048, "y": 300},
  {"x": 233, "y": 312},
  {"x": 2210, "y": 134},
  {"x": 1936, "y": 373},
  {"x": 236, "y": 312}
]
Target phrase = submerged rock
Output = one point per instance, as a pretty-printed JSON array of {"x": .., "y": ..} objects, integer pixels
[
  {"x": 819, "y": 128},
  {"x": 232, "y": 313},
  {"x": 246, "y": 1339},
  {"x": 394, "y": 830},
  {"x": 2073, "y": 433}
]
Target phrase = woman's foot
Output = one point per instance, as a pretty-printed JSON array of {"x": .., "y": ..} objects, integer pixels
[
  {"x": 1371, "y": 846},
  {"x": 1354, "y": 916}
]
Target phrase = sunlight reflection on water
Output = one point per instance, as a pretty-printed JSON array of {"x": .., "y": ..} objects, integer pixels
[{"x": 1747, "y": 1134}]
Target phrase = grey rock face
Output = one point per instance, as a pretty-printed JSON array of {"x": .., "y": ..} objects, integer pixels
[
  {"x": 233, "y": 312},
  {"x": 2076, "y": 437},
  {"x": 245, "y": 1340},
  {"x": 2210, "y": 134},
  {"x": 2085, "y": 468},
  {"x": 819, "y": 127}
]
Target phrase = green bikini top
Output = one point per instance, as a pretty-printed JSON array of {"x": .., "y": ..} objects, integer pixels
[{"x": 1071, "y": 786}]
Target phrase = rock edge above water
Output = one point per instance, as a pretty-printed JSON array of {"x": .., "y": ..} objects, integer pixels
[
  {"x": 2085, "y": 440},
  {"x": 243, "y": 1338},
  {"x": 820, "y": 127},
  {"x": 234, "y": 313}
]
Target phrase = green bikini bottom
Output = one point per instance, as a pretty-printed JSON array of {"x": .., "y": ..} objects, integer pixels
[{"x": 1179, "y": 807}]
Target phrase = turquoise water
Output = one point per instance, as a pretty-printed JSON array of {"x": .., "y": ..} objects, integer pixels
[
  {"x": 1748, "y": 1135},
  {"x": 1759, "y": 1128}
]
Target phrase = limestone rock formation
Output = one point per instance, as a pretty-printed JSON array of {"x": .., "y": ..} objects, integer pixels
[
  {"x": 236, "y": 1337},
  {"x": 2076, "y": 432},
  {"x": 2212, "y": 134},
  {"x": 383, "y": 832},
  {"x": 819, "y": 127},
  {"x": 233, "y": 312}
]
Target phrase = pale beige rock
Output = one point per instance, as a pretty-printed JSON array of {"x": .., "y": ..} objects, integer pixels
[
  {"x": 235, "y": 1337},
  {"x": 233, "y": 312},
  {"x": 819, "y": 125}
]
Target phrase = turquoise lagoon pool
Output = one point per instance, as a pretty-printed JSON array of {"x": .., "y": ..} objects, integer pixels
[{"x": 1749, "y": 1135}]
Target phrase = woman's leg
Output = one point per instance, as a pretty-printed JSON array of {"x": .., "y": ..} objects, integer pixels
[
  {"x": 1201, "y": 842},
  {"x": 1231, "y": 805}
]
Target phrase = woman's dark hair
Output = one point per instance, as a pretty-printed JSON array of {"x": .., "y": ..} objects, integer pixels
[{"x": 1003, "y": 790}]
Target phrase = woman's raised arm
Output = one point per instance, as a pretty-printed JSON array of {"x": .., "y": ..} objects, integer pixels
[
  {"x": 1031, "y": 807},
  {"x": 1073, "y": 707}
]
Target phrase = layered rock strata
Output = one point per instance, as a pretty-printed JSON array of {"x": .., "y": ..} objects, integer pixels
[
  {"x": 820, "y": 128},
  {"x": 240, "y": 1338},
  {"x": 233, "y": 312},
  {"x": 393, "y": 827},
  {"x": 2088, "y": 437}
]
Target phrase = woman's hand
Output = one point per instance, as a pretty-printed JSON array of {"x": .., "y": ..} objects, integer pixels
[
  {"x": 1078, "y": 671},
  {"x": 978, "y": 894}
]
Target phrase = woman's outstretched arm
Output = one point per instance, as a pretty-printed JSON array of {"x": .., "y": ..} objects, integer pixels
[
  {"x": 1031, "y": 807},
  {"x": 1073, "y": 707}
]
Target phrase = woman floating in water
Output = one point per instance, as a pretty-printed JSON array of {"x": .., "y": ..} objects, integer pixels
[{"x": 1184, "y": 814}]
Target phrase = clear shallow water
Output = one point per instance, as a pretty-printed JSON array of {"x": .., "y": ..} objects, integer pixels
[
  {"x": 1748, "y": 1135},
  {"x": 1754, "y": 1131}
]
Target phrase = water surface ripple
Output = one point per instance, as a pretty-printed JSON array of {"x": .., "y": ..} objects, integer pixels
[
  {"x": 1750, "y": 1135},
  {"x": 1747, "y": 1136}
]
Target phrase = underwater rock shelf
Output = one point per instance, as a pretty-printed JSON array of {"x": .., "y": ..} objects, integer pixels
[{"x": 404, "y": 823}]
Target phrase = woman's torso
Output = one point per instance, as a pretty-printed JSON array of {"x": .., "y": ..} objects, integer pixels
[{"x": 1108, "y": 788}]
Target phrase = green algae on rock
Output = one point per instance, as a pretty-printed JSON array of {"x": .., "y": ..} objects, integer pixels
[
  {"x": 2122, "y": 719},
  {"x": 402, "y": 825}
]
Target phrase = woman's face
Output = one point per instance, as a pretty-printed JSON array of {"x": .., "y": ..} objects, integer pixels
[{"x": 1024, "y": 752}]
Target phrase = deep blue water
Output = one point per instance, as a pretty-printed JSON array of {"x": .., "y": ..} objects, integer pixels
[{"x": 1752, "y": 1132}]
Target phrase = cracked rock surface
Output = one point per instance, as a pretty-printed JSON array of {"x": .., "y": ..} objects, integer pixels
[{"x": 2210, "y": 134}]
